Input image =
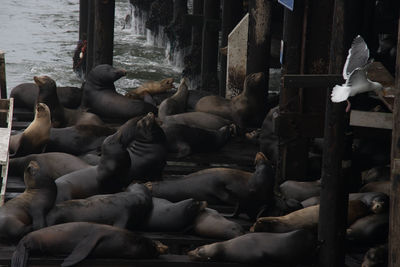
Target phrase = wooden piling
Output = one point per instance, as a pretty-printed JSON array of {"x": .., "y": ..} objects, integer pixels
[
  {"x": 232, "y": 11},
  {"x": 394, "y": 215},
  {"x": 334, "y": 196},
  {"x": 90, "y": 37},
  {"x": 83, "y": 19},
  {"x": 3, "y": 84},
  {"x": 209, "y": 53},
  {"x": 104, "y": 14}
]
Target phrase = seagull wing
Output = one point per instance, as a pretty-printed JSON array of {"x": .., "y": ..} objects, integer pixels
[
  {"x": 358, "y": 56},
  {"x": 359, "y": 82}
]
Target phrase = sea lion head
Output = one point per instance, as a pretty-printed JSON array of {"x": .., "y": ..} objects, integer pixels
[
  {"x": 376, "y": 257},
  {"x": 42, "y": 111},
  {"x": 148, "y": 130},
  {"x": 263, "y": 179},
  {"x": 44, "y": 81},
  {"x": 34, "y": 178},
  {"x": 380, "y": 204},
  {"x": 47, "y": 89},
  {"x": 254, "y": 83},
  {"x": 167, "y": 83},
  {"x": 205, "y": 253},
  {"x": 105, "y": 75}
]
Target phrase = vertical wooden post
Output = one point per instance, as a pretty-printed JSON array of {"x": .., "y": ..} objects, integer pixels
[
  {"x": 104, "y": 13},
  {"x": 3, "y": 84},
  {"x": 394, "y": 215},
  {"x": 83, "y": 19},
  {"x": 293, "y": 152},
  {"x": 334, "y": 196},
  {"x": 209, "y": 53},
  {"x": 196, "y": 29},
  {"x": 259, "y": 40},
  {"x": 90, "y": 37},
  {"x": 232, "y": 11}
]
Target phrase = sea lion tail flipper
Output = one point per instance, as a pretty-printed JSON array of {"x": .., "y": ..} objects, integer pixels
[
  {"x": 82, "y": 249},
  {"x": 20, "y": 255}
]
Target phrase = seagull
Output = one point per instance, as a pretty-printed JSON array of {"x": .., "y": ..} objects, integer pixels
[{"x": 355, "y": 74}]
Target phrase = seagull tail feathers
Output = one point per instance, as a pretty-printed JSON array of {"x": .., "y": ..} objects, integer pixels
[{"x": 340, "y": 93}]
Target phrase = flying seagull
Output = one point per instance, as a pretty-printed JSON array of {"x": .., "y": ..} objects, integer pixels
[{"x": 354, "y": 72}]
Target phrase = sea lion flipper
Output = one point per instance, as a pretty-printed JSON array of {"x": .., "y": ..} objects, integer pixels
[
  {"x": 82, "y": 249},
  {"x": 20, "y": 255}
]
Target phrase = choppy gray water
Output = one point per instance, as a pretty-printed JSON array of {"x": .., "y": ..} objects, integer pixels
[{"x": 39, "y": 37}]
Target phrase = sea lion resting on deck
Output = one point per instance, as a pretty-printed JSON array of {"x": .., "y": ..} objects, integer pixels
[
  {"x": 248, "y": 191},
  {"x": 151, "y": 88},
  {"x": 176, "y": 103},
  {"x": 27, "y": 211},
  {"x": 79, "y": 240},
  {"x": 34, "y": 138}
]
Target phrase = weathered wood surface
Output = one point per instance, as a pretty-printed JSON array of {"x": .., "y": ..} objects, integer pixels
[
  {"x": 379, "y": 120},
  {"x": 6, "y": 107}
]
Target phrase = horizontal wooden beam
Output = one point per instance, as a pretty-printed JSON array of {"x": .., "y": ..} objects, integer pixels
[
  {"x": 299, "y": 125},
  {"x": 378, "y": 120},
  {"x": 311, "y": 80}
]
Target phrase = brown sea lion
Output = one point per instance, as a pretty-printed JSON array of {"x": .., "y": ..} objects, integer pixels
[
  {"x": 34, "y": 138},
  {"x": 80, "y": 240},
  {"x": 176, "y": 103},
  {"x": 288, "y": 248},
  {"x": 100, "y": 96},
  {"x": 248, "y": 191},
  {"x": 61, "y": 116},
  {"x": 151, "y": 88},
  {"x": 123, "y": 209},
  {"x": 211, "y": 224},
  {"x": 198, "y": 119},
  {"x": 305, "y": 218},
  {"x": 55, "y": 164},
  {"x": 27, "y": 211},
  {"x": 246, "y": 109}
]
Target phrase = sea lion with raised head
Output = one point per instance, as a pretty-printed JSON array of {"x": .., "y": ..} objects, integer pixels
[
  {"x": 152, "y": 88},
  {"x": 176, "y": 103},
  {"x": 34, "y": 138},
  {"x": 27, "y": 211},
  {"x": 80, "y": 240}
]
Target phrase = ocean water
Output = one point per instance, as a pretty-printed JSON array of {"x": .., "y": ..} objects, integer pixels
[{"x": 39, "y": 38}]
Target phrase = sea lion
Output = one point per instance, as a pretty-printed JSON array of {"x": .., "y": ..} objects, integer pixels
[
  {"x": 78, "y": 139},
  {"x": 371, "y": 229},
  {"x": 151, "y": 88},
  {"x": 79, "y": 240},
  {"x": 246, "y": 109},
  {"x": 193, "y": 97},
  {"x": 123, "y": 209},
  {"x": 268, "y": 138},
  {"x": 34, "y": 138},
  {"x": 99, "y": 96},
  {"x": 198, "y": 119},
  {"x": 25, "y": 95},
  {"x": 27, "y": 211},
  {"x": 382, "y": 186},
  {"x": 176, "y": 103},
  {"x": 305, "y": 218},
  {"x": 376, "y": 174},
  {"x": 54, "y": 164},
  {"x": 172, "y": 217},
  {"x": 290, "y": 248},
  {"x": 61, "y": 116},
  {"x": 183, "y": 140},
  {"x": 300, "y": 190},
  {"x": 248, "y": 191},
  {"x": 376, "y": 257},
  {"x": 147, "y": 148},
  {"x": 209, "y": 223}
]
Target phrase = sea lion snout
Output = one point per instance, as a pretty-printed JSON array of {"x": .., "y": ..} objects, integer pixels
[{"x": 260, "y": 158}]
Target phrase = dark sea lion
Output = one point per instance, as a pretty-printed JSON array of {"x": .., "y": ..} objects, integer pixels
[
  {"x": 376, "y": 174},
  {"x": 123, "y": 209},
  {"x": 198, "y": 119},
  {"x": 290, "y": 248},
  {"x": 371, "y": 229},
  {"x": 305, "y": 218},
  {"x": 147, "y": 150},
  {"x": 300, "y": 190},
  {"x": 25, "y": 95},
  {"x": 80, "y": 240},
  {"x": 382, "y": 186},
  {"x": 100, "y": 97},
  {"x": 55, "y": 164},
  {"x": 223, "y": 185},
  {"x": 152, "y": 88},
  {"x": 34, "y": 138},
  {"x": 268, "y": 138},
  {"x": 376, "y": 257},
  {"x": 209, "y": 223},
  {"x": 78, "y": 139},
  {"x": 27, "y": 211},
  {"x": 183, "y": 140},
  {"x": 61, "y": 116},
  {"x": 172, "y": 217},
  {"x": 176, "y": 103},
  {"x": 191, "y": 101},
  {"x": 246, "y": 109}
]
